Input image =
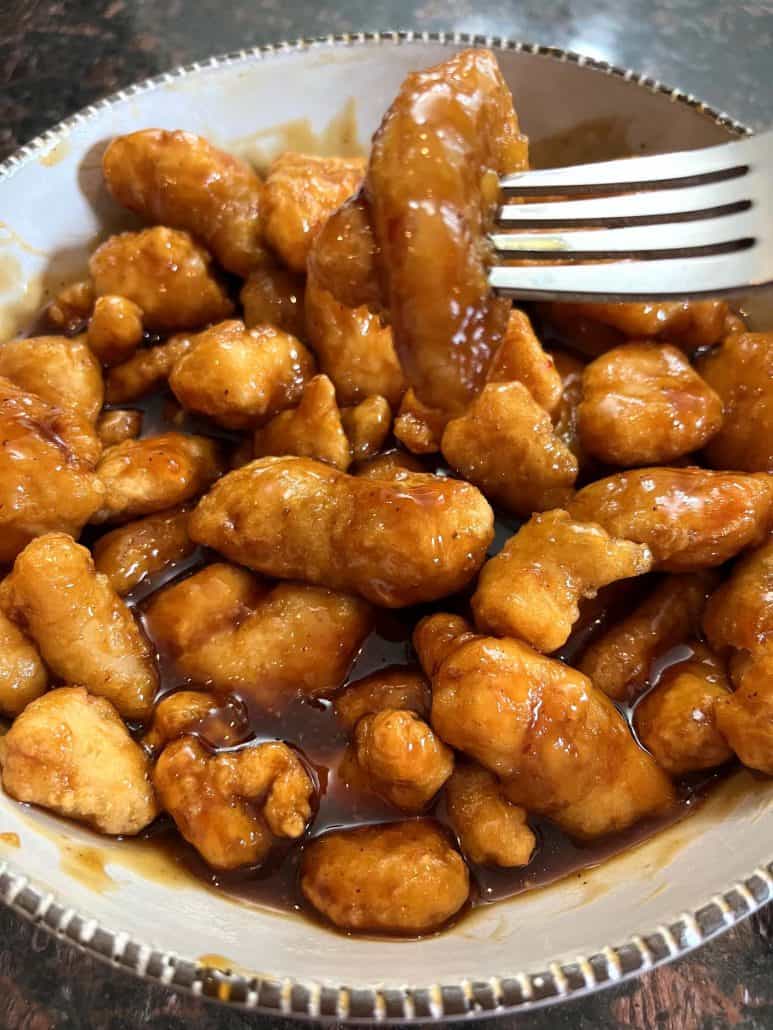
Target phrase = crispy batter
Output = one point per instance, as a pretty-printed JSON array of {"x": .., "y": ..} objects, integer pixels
[
  {"x": 436, "y": 636},
  {"x": 397, "y": 686},
  {"x": 394, "y": 542},
  {"x": 491, "y": 830},
  {"x": 740, "y": 613},
  {"x": 565, "y": 415},
  {"x": 418, "y": 427},
  {"x": 233, "y": 806},
  {"x": 392, "y": 464},
  {"x": 520, "y": 357},
  {"x": 274, "y": 295},
  {"x": 83, "y": 630},
  {"x": 181, "y": 180},
  {"x": 47, "y": 479},
  {"x": 432, "y": 185},
  {"x": 146, "y": 370},
  {"x": 240, "y": 377},
  {"x": 357, "y": 878},
  {"x": 676, "y": 720},
  {"x": 741, "y": 371},
  {"x": 61, "y": 371},
  {"x": 343, "y": 257},
  {"x": 367, "y": 426},
  {"x": 71, "y": 306},
  {"x": 644, "y": 404},
  {"x": 532, "y": 588},
  {"x": 312, "y": 430},
  {"x": 745, "y": 719},
  {"x": 690, "y": 518},
  {"x": 301, "y": 192},
  {"x": 505, "y": 444},
  {"x": 70, "y": 752},
  {"x": 154, "y": 473},
  {"x": 165, "y": 273},
  {"x": 118, "y": 425},
  {"x": 133, "y": 552},
  {"x": 115, "y": 329},
  {"x": 23, "y": 676},
  {"x": 619, "y": 661},
  {"x": 198, "y": 712}
]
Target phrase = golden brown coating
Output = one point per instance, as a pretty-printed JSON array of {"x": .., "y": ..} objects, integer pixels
[
  {"x": 560, "y": 745},
  {"x": 619, "y": 661},
  {"x": 240, "y": 376},
  {"x": 165, "y": 273},
  {"x": 433, "y": 189},
  {"x": 741, "y": 371},
  {"x": 233, "y": 806},
  {"x": 301, "y": 192},
  {"x": 82, "y": 628},
  {"x": 181, "y": 180},
  {"x": 23, "y": 676},
  {"x": 676, "y": 720},
  {"x": 47, "y": 479},
  {"x": 146, "y": 371},
  {"x": 436, "y": 636},
  {"x": 154, "y": 473},
  {"x": 342, "y": 259},
  {"x": 274, "y": 295},
  {"x": 565, "y": 416},
  {"x": 357, "y": 878},
  {"x": 312, "y": 430},
  {"x": 643, "y": 404},
  {"x": 491, "y": 830},
  {"x": 115, "y": 329},
  {"x": 197, "y": 712},
  {"x": 133, "y": 552},
  {"x": 745, "y": 718},
  {"x": 504, "y": 443},
  {"x": 118, "y": 425},
  {"x": 689, "y": 518},
  {"x": 520, "y": 357},
  {"x": 229, "y": 630},
  {"x": 418, "y": 427},
  {"x": 61, "y": 371},
  {"x": 353, "y": 347},
  {"x": 532, "y": 588},
  {"x": 395, "y": 543},
  {"x": 367, "y": 426},
  {"x": 392, "y": 464},
  {"x": 397, "y": 686},
  {"x": 71, "y": 753},
  {"x": 739, "y": 614},
  {"x": 71, "y": 307}
]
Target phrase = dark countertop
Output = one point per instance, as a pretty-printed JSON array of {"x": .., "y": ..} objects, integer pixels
[{"x": 58, "y": 55}]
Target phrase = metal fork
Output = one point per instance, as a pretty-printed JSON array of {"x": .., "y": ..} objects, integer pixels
[{"x": 697, "y": 223}]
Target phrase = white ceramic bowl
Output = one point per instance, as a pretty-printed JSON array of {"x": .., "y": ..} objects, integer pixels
[{"x": 128, "y": 905}]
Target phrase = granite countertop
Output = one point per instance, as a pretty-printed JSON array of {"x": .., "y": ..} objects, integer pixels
[{"x": 58, "y": 55}]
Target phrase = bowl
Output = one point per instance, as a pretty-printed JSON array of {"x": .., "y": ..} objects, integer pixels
[{"x": 139, "y": 910}]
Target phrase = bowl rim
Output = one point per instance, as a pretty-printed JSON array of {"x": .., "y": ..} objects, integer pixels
[{"x": 305, "y": 998}]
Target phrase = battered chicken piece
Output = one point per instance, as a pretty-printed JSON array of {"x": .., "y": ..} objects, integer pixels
[
  {"x": 83, "y": 630},
  {"x": 745, "y": 718},
  {"x": 47, "y": 480},
  {"x": 676, "y": 720},
  {"x": 403, "y": 760},
  {"x": 367, "y": 426},
  {"x": 741, "y": 371},
  {"x": 181, "y": 180},
  {"x": 274, "y": 295},
  {"x": 233, "y": 806},
  {"x": 561, "y": 746},
  {"x": 342, "y": 260},
  {"x": 565, "y": 415},
  {"x": 491, "y": 830},
  {"x": 240, "y": 377},
  {"x": 418, "y": 427},
  {"x": 71, "y": 753},
  {"x": 301, "y": 192},
  {"x": 392, "y": 464},
  {"x": 199, "y": 713},
  {"x": 312, "y": 430},
  {"x": 71, "y": 307},
  {"x": 690, "y": 518},
  {"x": 532, "y": 588},
  {"x": 118, "y": 425},
  {"x": 395, "y": 543},
  {"x": 130, "y": 554},
  {"x": 504, "y": 443},
  {"x": 353, "y": 347},
  {"x": 154, "y": 473},
  {"x": 739, "y": 614},
  {"x": 23, "y": 676},
  {"x": 398, "y": 686},
  {"x": 520, "y": 357},
  {"x": 61, "y": 371},
  {"x": 432, "y": 185},
  {"x": 357, "y": 878},
  {"x": 619, "y": 661},
  {"x": 231, "y": 631},
  {"x": 165, "y": 273},
  {"x": 115, "y": 329},
  {"x": 643, "y": 403},
  {"x": 145, "y": 371},
  {"x": 436, "y": 636}
]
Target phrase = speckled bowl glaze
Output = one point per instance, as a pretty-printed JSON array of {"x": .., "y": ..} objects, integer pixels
[{"x": 130, "y": 905}]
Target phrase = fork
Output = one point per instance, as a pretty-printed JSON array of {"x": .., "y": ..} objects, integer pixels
[{"x": 690, "y": 224}]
